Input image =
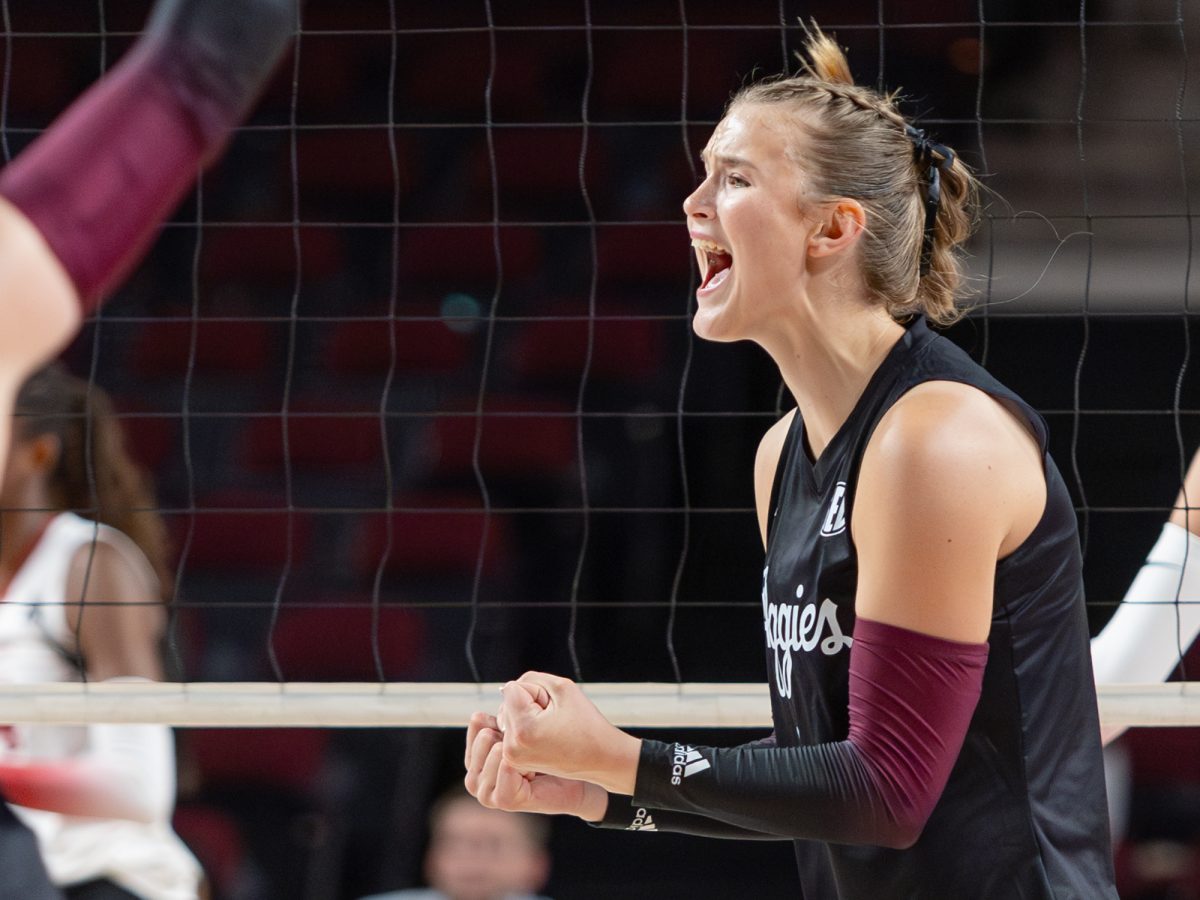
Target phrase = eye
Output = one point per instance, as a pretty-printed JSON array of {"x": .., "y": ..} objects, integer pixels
[{"x": 736, "y": 181}]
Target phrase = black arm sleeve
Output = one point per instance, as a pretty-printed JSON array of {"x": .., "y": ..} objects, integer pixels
[{"x": 625, "y": 815}]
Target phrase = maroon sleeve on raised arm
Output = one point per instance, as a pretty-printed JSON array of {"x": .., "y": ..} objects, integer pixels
[{"x": 103, "y": 177}]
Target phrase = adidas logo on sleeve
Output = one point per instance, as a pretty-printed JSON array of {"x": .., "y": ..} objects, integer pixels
[
  {"x": 686, "y": 762},
  {"x": 642, "y": 821}
]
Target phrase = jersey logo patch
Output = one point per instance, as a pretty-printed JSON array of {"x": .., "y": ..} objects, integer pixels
[{"x": 835, "y": 518}]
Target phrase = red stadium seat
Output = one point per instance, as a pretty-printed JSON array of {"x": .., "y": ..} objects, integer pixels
[
  {"x": 640, "y": 74},
  {"x": 287, "y": 758},
  {"x": 216, "y": 839},
  {"x": 518, "y": 437},
  {"x": 634, "y": 254},
  {"x": 539, "y": 160},
  {"x": 1164, "y": 756},
  {"x": 333, "y": 643},
  {"x": 319, "y": 439},
  {"x": 452, "y": 258},
  {"x": 266, "y": 255},
  {"x": 162, "y": 349},
  {"x": 557, "y": 349},
  {"x": 433, "y": 533},
  {"x": 427, "y": 96},
  {"x": 150, "y": 439},
  {"x": 330, "y": 71},
  {"x": 40, "y": 79},
  {"x": 234, "y": 531},
  {"x": 355, "y": 162},
  {"x": 422, "y": 346}
]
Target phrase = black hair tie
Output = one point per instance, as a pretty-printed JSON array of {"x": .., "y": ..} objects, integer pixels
[{"x": 927, "y": 153}]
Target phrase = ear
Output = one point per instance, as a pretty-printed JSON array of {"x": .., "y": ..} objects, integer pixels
[
  {"x": 843, "y": 224},
  {"x": 44, "y": 451}
]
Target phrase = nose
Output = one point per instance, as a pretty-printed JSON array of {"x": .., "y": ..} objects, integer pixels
[{"x": 698, "y": 204}]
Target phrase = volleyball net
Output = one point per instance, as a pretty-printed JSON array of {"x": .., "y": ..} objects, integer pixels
[{"x": 414, "y": 367}]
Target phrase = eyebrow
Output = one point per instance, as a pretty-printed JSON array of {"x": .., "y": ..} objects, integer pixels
[{"x": 729, "y": 162}]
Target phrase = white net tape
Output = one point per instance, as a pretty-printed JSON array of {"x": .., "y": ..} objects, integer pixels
[{"x": 297, "y": 704}]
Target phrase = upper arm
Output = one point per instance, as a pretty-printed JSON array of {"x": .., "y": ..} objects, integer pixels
[
  {"x": 39, "y": 307},
  {"x": 950, "y": 482},
  {"x": 121, "y": 619},
  {"x": 766, "y": 461}
]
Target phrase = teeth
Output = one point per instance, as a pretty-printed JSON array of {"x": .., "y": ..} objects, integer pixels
[{"x": 709, "y": 247}]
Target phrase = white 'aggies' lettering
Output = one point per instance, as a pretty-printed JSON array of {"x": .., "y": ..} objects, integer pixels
[{"x": 789, "y": 627}]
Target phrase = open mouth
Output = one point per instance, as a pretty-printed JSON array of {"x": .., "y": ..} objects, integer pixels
[{"x": 716, "y": 262}]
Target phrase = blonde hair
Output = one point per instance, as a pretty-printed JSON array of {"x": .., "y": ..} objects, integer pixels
[{"x": 857, "y": 146}]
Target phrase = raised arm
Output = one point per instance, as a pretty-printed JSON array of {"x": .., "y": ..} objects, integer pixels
[{"x": 81, "y": 204}]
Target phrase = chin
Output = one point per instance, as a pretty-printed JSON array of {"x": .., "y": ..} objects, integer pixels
[{"x": 712, "y": 326}]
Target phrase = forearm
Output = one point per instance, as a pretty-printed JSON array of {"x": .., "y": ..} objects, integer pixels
[
  {"x": 825, "y": 792},
  {"x": 622, "y": 813},
  {"x": 911, "y": 701},
  {"x": 625, "y": 815}
]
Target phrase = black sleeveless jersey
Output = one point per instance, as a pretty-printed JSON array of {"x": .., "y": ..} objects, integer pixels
[{"x": 1024, "y": 813}]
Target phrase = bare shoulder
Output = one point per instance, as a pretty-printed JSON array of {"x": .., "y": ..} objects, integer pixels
[
  {"x": 111, "y": 560},
  {"x": 955, "y": 429},
  {"x": 951, "y": 482},
  {"x": 949, "y": 452},
  {"x": 766, "y": 461}
]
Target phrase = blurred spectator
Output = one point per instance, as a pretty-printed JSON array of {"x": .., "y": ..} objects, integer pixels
[{"x": 480, "y": 854}]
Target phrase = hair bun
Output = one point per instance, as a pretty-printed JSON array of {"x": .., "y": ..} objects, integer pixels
[{"x": 823, "y": 59}]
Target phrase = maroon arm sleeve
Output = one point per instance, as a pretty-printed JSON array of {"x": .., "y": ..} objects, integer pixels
[
  {"x": 99, "y": 182},
  {"x": 911, "y": 700}
]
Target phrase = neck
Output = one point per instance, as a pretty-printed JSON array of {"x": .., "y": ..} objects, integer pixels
[
  {"x": 826, "y": 357},
  {"x": 17, "y": 529}
]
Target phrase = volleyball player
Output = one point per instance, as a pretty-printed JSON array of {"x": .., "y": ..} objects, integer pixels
[
  {"x": 84, "y": 597},
  {"x": 80, "y": 205},
  {"x": 936, "y": 731},
  {"x": 1146, "y": 636}
]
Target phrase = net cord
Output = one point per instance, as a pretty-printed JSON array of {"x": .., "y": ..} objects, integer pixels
[{"x": 449, "y": 705}]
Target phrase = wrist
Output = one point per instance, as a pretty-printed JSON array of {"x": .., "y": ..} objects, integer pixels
[
  {"x": 617, "y": 773},
  {"x": 594, "y": 804}
]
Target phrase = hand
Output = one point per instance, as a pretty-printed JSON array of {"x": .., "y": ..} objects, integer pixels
[
  {"x": 551, "y": 727},
  {"x": 497, "y": 784}
]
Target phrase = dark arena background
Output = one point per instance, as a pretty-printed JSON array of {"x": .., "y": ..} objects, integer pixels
[{"x": 414, "y": 373}]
